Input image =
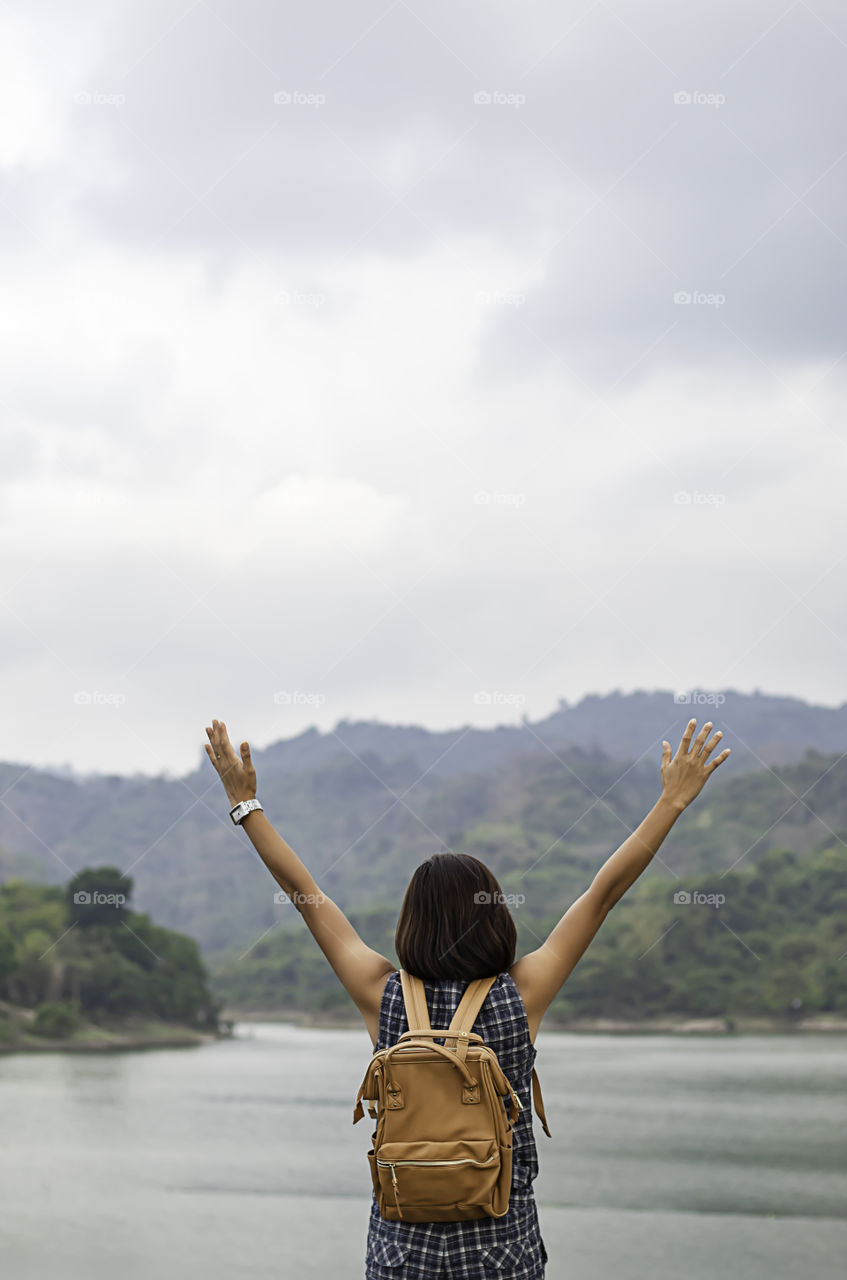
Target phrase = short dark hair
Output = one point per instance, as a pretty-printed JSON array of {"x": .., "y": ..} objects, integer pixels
[{"x": 454, "y": 922}]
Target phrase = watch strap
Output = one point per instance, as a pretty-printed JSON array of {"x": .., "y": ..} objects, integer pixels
[{"x": 239, "y": 811}]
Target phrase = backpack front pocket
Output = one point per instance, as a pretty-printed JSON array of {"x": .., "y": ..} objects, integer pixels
[{"x": 438, "y": 1174}]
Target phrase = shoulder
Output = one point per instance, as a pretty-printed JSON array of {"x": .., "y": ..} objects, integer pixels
[
  {"x": 504, "y": 1003},
  {"x": 392, "y": 985},
  {"x": 388, "y": 988}
]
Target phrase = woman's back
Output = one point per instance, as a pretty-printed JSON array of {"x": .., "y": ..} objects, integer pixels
[{"x": 510, "y": 1246}]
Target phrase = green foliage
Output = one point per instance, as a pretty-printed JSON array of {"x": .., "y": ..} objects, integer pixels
[
  {"x": 9, "y": 959},
  {"x": 113, "y": 964},
  {"x": 110, "y": 985},
  {"x": 552, "y": 814},
  {"x": 28, "y": 981},
  {"x": 98, "y": 896},
  {"x": 287, "y": 971},
  {"x": 774, "y": 941},
  {"x": 543, "y": 821},
  {"x": 58, "y": 1020}
]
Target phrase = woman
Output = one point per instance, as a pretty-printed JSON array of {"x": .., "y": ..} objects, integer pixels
[{"x": 454, "y": 926}]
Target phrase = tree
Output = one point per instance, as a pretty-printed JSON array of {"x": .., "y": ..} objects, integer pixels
[
  {"x": 8, "y": 955},
  {"x": 57, "y": 1020},
  {"x": 29, "y": 981},
  {"x": 99, "y": 895}
]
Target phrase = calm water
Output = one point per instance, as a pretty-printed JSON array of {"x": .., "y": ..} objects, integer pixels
[{"x": 671, "y": 1157}]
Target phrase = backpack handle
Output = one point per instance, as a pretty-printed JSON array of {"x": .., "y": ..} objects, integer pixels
[
  {"x": 437, "y": 1048},
  {"x": 440, "y": 1032}
]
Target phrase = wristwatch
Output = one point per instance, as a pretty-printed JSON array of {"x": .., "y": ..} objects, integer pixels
[{"x": 239, "y": 811}]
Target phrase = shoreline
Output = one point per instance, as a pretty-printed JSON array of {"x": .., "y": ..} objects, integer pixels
[
  {"x": 135, "y": 1037},
  {"x": 130, "y": 1034},
  {"x": 114, "y": 1044},
  {"x": 737, "y": 1025}
]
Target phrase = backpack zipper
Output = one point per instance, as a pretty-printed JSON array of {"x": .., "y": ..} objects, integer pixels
[{"x": 392, "y": 1164}]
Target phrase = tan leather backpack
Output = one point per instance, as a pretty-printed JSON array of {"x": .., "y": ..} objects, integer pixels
[{"x": 442, "y": 1150}]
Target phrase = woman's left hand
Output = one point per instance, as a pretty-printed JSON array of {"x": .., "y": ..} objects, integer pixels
[{"x": 237, "y": 775}]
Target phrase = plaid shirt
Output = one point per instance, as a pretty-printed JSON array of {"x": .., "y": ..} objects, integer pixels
[{"x": 509, "y": 1247}]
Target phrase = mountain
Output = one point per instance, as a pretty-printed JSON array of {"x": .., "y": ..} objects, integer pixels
[
  {"x": 364, "y": 803},
  {"x": 763, "y": 729}
]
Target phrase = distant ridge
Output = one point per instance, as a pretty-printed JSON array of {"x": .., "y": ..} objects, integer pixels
[
  {"x": 765, "y": 729},
  {"x": 761, "y": 728}
]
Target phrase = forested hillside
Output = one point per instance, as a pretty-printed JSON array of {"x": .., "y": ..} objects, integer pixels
[
  {"x": 364, "y": 804},
  {"x": 774, "y": 947}
]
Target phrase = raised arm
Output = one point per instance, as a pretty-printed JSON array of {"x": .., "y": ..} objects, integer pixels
[
  {"x": 361, "y": 971},
  {"x": 540, "y": 974}
]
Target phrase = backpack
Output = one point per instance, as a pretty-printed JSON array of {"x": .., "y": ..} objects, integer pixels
[{"x": 442, "y": 1148}]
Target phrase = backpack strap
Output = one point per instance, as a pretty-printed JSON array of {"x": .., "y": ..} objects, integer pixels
[
  {"x": 466, "y": 1013},
  {"x": 417, "y": 1013},
  {"x": 414, "y": 998},
  {"x": 464, "y": 1018},
  {"x": 539, "y": 1102}
]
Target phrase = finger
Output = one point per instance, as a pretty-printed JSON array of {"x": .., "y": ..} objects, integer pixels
[
  {"x": 710, "y": 746},
  {"x": 686, "y": 737},
  {"x": 225, "y": 746},
  {"x": 702, "y": 736},
  {"x": 217, "y": 745},
  {"x": 666, "y": 752},
  {"x": 718, "y": 760}
]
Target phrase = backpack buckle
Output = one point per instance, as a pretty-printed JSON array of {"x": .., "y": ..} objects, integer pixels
[{"x": 470, "y": 1092}]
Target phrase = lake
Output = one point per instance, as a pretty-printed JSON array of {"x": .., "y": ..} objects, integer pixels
[{"x": 672, "y": 1156}]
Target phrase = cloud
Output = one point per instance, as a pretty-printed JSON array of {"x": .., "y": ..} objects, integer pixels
[
  {"x": 641, "y": 160},
  {"x": 388, "y": 396}
]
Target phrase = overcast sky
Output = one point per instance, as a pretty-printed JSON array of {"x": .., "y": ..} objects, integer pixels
[{"x": 346, "y": 366}]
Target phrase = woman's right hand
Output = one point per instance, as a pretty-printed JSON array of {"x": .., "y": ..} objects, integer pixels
[{"x": 684, "y": 775}]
